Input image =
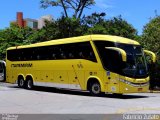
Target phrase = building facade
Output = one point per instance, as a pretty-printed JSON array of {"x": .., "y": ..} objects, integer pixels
[
  {"x": 32, "y": 23},
  {"x": 41, "y": 21}
]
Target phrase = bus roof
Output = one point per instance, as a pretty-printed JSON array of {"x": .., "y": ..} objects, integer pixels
[{"x": 80, "y": 39}]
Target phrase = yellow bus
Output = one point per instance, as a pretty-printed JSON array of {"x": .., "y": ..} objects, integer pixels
[{"x": 95, "y": 63}]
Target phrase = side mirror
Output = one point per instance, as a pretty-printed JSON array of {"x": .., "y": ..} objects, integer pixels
[
  {"x": 121, "y": 52},
  {"x": 152, "y": 56}
]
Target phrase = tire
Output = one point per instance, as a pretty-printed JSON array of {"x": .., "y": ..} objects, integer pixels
[
  {"x": 21, "y": 83},
  {"x": 29, "y": 84},
  {"x": 95, "y": 88}
]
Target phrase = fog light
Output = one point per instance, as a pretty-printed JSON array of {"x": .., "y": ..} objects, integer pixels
[{"x": 126, "y": 89}]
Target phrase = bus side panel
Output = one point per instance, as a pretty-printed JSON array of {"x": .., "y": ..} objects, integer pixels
[
  {"x": 76, "y": 79},
  {"x": 61, "y": 79}
]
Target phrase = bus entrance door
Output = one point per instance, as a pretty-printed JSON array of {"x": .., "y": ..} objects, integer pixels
[{"x": 76, "y": 77}]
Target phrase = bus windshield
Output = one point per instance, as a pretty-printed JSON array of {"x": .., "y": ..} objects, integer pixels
[{"x": 136, "y": 64}]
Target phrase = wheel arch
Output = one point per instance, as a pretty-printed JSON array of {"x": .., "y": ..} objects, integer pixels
[
  {"x": 29, "y": 82},
  {"x": 29, "y": 76},
  {"x": 94, "y": 79},
  {"x": 19, "y": 77}
]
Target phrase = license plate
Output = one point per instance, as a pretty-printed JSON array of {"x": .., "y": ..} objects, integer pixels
[{"x": 140, "y": 89}]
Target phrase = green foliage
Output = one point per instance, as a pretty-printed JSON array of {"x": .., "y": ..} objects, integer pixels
[
  {"x": 151, "y": 35},
  {"x": 12, "y": 36},
  {"x": 150, "y": 39},
  {"x": 68, "y": 27},
  {"x": 93, "y": 19},
  {"x": 120, "y": 27},
  {"x": 115, "y": 26},
  {"x": 61, "y": 28}
]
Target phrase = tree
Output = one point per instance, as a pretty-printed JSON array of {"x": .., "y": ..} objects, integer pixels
[
  {"x": 115, "y": 26},
  {"x": 151, "y": 40},
  {"x": 13, "y": 36},
  {"x": 120, "y": 27},
  {"x": 69, "y": 27},
  {"x": 60, "y": 28},
  {"x": 151, "y": 35},
  {"x": 94, "y": 18},
  {"x": 76, "y": 5}
]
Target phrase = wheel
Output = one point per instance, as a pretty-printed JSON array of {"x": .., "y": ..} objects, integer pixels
[
  {"x": 21, "y": 83},
  {"x": 95, "y": 89},
  {"x": 29, "y": 84}
]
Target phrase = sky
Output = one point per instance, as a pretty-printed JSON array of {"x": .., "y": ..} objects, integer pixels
[{"x": 136, "y": 12}]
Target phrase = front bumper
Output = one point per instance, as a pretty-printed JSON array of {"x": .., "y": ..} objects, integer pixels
[{"x": 131, "y": 87}]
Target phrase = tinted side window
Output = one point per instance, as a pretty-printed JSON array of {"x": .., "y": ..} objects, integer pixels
[
  {"x": 106, "y": 57},
  {"x": 112, "y": 60},
  {"x": 82, "y": 50},
  {"x": 85, "y": 51},
  {"x": 12, "y": 55}
]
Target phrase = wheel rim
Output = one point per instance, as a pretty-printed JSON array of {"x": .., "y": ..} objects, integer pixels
[
  {"x": 29, "y": 84},
  {"x": 96, "y": 88},
  {"x": 21, "y": 83}
]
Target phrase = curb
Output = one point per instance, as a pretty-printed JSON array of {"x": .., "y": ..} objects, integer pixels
[{"x": 154, "y": 91}]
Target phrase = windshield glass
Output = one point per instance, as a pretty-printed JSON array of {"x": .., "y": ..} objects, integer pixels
[
  {"x": 136, "y": 63},
  {"x": 134, "y": 67}
]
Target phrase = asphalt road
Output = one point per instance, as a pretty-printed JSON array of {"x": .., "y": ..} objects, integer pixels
[{"x": 53, "y": 101}]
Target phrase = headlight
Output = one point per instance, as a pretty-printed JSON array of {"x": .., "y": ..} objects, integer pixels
[{"x": 134, "y": 84}]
